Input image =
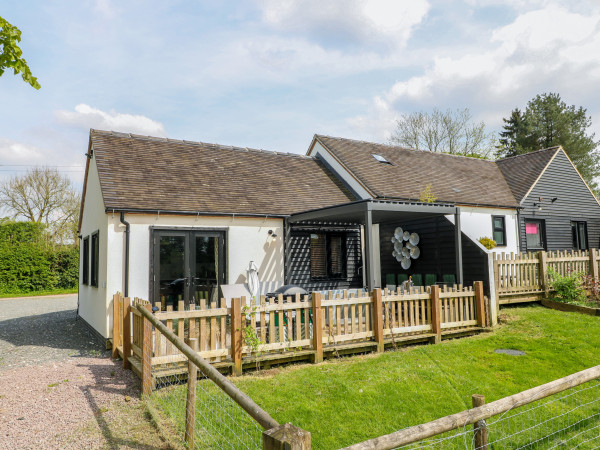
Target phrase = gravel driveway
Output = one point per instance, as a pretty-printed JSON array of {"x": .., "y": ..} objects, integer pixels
[{"x": 58, "y": 387}]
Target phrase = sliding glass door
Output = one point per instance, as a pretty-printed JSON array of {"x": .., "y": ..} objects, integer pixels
[{"x": 187, "y": 265}]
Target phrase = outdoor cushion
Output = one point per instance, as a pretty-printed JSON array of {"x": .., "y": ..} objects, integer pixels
[
  {"x": 430, "y": 278},
  {"x": 449, "y": 278}
]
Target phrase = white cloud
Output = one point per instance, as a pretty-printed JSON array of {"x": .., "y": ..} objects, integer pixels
[
  {"x": 546, "y": 50},
  {"x": 354, "y": 21},
  {"x": 87, "y": 117},
  {"x": 15, "y": 153}
]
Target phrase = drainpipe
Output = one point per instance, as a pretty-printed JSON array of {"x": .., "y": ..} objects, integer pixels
[{"x": 124, "y": 222}]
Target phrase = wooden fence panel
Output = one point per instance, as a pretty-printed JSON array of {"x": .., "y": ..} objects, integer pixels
[
  {"x": 407, "y": 313},
  {"x": 269, "y": 327},
  {"x": 347, "y": 318},
  {"x": 458, "y": 308},
  {"x": 528, "y": 276}
]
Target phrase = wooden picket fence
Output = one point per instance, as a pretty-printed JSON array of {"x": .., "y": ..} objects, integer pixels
[
  {"x": 523, "y": 277},
  {"x": 283, "y": 329}
]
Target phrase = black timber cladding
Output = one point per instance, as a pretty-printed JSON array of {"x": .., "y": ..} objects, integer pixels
[
  {"x": 437, "y": 251},
  {"x": 299, "y": 258},
  {"x": 574, "y": 202}
]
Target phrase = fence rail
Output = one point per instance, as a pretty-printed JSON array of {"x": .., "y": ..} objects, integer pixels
[
  {"x": 524, "y": 277},
  {"x": 277, "y": 330},
  {"x": 478, "y": 439}
]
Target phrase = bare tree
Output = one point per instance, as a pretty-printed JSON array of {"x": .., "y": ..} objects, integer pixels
[
  {"x": 43, "y": 195},
  {"x": 450, "y": 132}
]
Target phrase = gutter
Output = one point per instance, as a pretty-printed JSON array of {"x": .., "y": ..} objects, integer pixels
[
  {"x": 193, "y": 213},
  {"x": 124, "y": 222}
]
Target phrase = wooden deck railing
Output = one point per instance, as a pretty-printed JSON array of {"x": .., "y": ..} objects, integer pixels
[
  {"x": 284, "y": 329},
  {"x": 524, "y": 277}
]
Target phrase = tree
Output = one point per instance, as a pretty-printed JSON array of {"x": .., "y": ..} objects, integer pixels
[
  {"x": 43, "y": 195},
  {"x": 450, "y": 132},
  {"x": 547, "y": 122},
  {"x": 514, "y": 134},
  {"x": 11, "y": 54}
]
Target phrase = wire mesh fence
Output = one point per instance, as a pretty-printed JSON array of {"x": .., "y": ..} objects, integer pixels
[
  {"x": 219, "y": 422},
  {"x": 192, "y": 410},
  {"x": 567, "y": 420}
]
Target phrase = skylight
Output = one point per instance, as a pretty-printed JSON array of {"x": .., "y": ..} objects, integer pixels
[{"x": 381, "y": 159}]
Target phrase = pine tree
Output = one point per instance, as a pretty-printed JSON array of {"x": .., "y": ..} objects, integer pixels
[
  {"x": 514, "y": 135},
  {"x": 548, "y": 121}
]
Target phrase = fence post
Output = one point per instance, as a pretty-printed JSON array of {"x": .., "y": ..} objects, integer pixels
[
  {"x": 543, "y": 271},
  {"x": 479, "y": 303},
  {"x": 126, "y": 332},
  {"x": 480, "y": 427},
  {"x": 236, "y": 335},
  {"x": 593, "y": 264},
  {"x": 378, "y": 318},
  {"x": 116, "y": 322},
  {"x": 190, "y": 407},
  {"x": 436, "y": 316},
  {"x": 286, "y": 437},
  {"x": 317, "y": 315},
  {"x": 147, "y": 354}
]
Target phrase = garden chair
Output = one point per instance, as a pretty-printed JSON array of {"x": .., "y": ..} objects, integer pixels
[{"x": 430, "y": 279}]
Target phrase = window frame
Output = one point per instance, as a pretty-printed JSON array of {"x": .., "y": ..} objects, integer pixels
[
  {"x": 94, "y": 258},
  {"x": 502, "y": 230},
  {"x": 85, "y": 261},
  {"x": 576, "y": 225},
  {"x": 542, "y": 224},
  {"x": 328, "y": 262}
]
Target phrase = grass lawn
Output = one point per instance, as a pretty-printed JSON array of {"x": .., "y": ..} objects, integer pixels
[
  {"x": 39, "y": 293},
  {"x": 348, "y": 400}
]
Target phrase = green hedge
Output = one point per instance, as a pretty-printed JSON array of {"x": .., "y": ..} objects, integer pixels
[{"x": 28, "y": 263}]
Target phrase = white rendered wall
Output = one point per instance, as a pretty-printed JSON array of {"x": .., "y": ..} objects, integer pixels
[
  {"x": 246, "y": 240},
  {"x": 319, "y": 150},
  {"x": 477, "y": 223},
  {"x": 94, "y": 302}
]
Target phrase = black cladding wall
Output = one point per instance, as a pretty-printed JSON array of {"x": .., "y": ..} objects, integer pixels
[
  {"x": 437, "y": 251},
  {"x": 574, "y": 202},
  {"x": 298, "y": 260}
]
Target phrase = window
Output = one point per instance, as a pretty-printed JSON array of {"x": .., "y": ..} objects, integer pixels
[
  {"x": 534, "y": 232},
  {"x": 499, "y": 230},
  {"x": 327, "y": 258},
  {"x": 85, "y": 258},
  {"x": 94, "y": 260},
  {"x": 381, "y": 159},
  {"x": 579, "y": 232}
]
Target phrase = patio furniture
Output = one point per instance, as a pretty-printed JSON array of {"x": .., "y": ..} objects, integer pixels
[
  {"x": 417, "y": 279},
  {"x": 402, "y": 277},
  {"x": 430, "y": 279},
  {"x": 449, "y": 279},
  {"x": 390, "y": 279}
]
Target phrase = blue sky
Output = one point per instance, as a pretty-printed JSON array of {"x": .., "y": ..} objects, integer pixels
[{"x": 271, "y": 73}]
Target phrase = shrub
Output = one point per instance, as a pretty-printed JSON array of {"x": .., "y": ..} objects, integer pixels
[
  {"x": 28, "y": 263},
  {"x": 569, "y": 288},
  {"x": 487, "y": 242}
]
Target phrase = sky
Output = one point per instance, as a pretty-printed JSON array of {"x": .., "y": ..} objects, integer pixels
[{"x": 270, "y": 74}]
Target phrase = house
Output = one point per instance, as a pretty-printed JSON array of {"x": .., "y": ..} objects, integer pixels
[
  {"x": 557, "y": 210},
  {"x": 165, "y": 219},
  {"x": 170, "y": 220}
]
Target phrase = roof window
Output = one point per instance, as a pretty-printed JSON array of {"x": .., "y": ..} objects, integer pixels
[{"x": 381, "y": 159}]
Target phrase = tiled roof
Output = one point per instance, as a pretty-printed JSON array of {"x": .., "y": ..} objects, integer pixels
[
  {"x": 522, "y": 171},
  {"x": 455, "y": 179},
  {"x": 145, "y": 173}
]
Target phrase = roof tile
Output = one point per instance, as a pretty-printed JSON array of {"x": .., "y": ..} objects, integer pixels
[{"x": 145, "y": 173}]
